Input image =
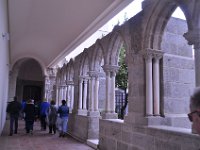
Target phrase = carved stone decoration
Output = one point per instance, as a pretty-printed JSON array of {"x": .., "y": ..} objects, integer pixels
[
  {"x": 193, "y": 38},
  {"x": 50, "y": 82},
  {"x": 110, "y": 68},
  {"x": 151, "y": 54}
]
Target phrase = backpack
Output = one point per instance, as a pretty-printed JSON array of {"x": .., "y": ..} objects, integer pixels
[{"x": 52, "y": 111}]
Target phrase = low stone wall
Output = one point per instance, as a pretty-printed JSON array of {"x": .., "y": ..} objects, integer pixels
[
  {"x": 83, "y": 127},
  {"x": 117, "y": 135},
  {"x": 78, "y": 127}
]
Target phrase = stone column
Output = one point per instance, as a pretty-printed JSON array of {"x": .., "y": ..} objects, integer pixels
[
  {"x": 80, "y": 93},
  {"x": 156, "y": 85},
  {"x": 12, "y": 85},
  {"x": 93, "y": 99},
  {"x": 107, "y": 106},
  {"x": 72, "y": 96},
  {"x": 96, "y": 98},
  {"x": 109, "y": 112},
  {"x": 193, "y": 38},
  {"x": 197, "y": 62},
  {"x": 91, "y": 96},
  {"x": 82, "y": 97},
  {"x": 60, "y": 95},
  {"x": 64, "y": 91},
  {"x": 46, "y": 87},
  {"x": 68, "y": 95},
  {"x": 149, "y": 94},
  {"x": 85, "y": 94},
  {"x": 57, "y": 95},
  {"x": 112, "y": 92}
]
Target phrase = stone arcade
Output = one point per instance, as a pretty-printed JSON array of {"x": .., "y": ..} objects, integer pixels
[{"x": 162, "y": 73}]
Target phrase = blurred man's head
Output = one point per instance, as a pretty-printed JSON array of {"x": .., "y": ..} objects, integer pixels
[
  {"x": 194, "y": 115},
  {"x": 63, "y": 102}
]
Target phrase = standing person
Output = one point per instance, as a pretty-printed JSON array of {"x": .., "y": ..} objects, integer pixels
[
  {"x": 63, "y": 112},
  {"x": 14, "y": 109},
  {"x": 194, "y": 115},
  {"x": 43, "y": 113},
  {"x": 23, "y": 104},
  {"x": 29, "y": 111},
  {"x": 52, "y": 117}
]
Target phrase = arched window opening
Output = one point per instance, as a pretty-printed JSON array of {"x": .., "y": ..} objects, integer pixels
[
  {"x": 121, "y": 84},
  {"x": 177, "y": 71}
]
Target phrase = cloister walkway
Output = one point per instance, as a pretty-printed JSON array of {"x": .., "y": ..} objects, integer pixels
[{"x": 40, "y": 140}]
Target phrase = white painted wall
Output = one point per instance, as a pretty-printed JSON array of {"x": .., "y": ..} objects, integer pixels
[{"x": 4, "y": 61}]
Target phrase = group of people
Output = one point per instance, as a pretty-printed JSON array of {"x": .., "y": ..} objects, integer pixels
[{"x": 49, "y": 115}]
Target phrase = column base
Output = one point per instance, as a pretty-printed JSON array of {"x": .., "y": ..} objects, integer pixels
[
  {"x": 93, "y": 113},
  {"x": 82, "y": 112},
  {"x": 109, "y": 115}
]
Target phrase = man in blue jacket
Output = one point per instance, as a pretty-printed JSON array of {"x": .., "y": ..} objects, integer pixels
[{"x": 43, "y": 113}]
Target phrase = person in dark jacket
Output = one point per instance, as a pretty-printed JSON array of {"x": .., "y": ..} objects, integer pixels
[
  {"x": 29, "y": 111},
  {"x": 63, "y": 112},
  {"x": 52, "y": 117},
  {"x": 44, "y": 106},
  {"x": 13, "y": 109}
]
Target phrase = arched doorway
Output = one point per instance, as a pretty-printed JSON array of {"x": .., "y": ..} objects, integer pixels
[{"x": 29, "y": 81}]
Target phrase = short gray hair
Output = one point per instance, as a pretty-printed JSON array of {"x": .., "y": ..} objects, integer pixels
[{"x": 195, "y": 99}]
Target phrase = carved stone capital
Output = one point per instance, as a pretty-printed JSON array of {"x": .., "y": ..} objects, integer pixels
[
  {"x": 69, "y": 82},
  {"x": 110, "y": 68},
  {"x": 193, "y": 38},
  {"x": 150, "y": 54},
  {"x": 51, "y": 71},
  {"x": 93, "y": 74}
]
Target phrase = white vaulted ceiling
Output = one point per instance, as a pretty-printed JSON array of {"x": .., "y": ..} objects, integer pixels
[{"x": 48, "y": 30}]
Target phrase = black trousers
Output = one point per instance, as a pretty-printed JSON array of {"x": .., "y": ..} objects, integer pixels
[
  {"x": 13, "y": 121},
  {"x": 43, "y": 122},
  {"x": 29, "y": 125},
  {"x": 52, "y": 127}
]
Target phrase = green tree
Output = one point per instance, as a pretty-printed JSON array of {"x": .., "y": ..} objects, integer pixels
[
  {"x": 122, "y": 75},
  {"x": 122, "y": 79}
]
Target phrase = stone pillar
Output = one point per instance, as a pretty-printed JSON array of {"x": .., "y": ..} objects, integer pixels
[
  {"x": 112, "y": 92},
  {"x": 149, "y": 94},
  {"x": 156, "y": 83},
  {"x": 197, "y": 61},
  {"x": 68, "y": 95},
  {"x": 72, "y": 96},
  {"x": 57, "y": 95},
  {"x": 80, "y": 93},
  {"x": 93, "y": 99},
  {"x": 193, "y": 38},
  {"x": 107, "y": 106},
  {"x": 96, "y": 98},
  {"x": 82, "y": 110},
  {"x": 91, "y": 92},
  {"x": 152, "y": 58},
  {"x": 85, "y": 94},
  {"x": 109, "y": 112},
  {"x": 60, "y": 95},
  {"x": 12, "y": 85}
]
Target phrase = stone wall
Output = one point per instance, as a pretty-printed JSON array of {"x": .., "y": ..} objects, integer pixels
[
  {"x": 117, "y": 135},
  {"x": 178, "y": 74},
  {"x": 138, "y": 132},
  {"x": 4, "y": 62}
]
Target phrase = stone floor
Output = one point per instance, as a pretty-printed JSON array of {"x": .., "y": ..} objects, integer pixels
[{"x": 40, "y": 140}]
